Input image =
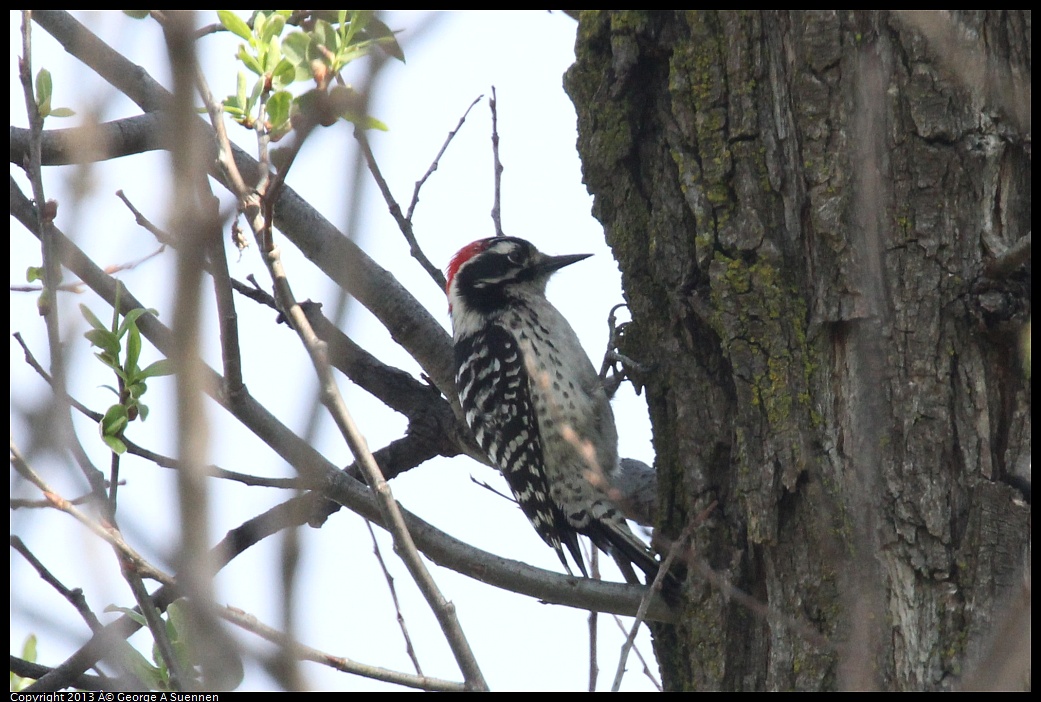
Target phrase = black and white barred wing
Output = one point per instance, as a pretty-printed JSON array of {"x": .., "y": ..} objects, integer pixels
[{"x": 492, "y": 380}]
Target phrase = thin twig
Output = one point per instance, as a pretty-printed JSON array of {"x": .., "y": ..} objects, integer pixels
[
  {"x": 78, "y": 285},
  {"x": 254, "y": 292},
  {"x": 231, "y": 353},
  {"x": 113, "y": 479},
  {"x": 404, "y": 224},
  {"x": 19, "y": 503},
  {"x": 217, "y": 266},
  {"x": 75, "y": 287},
  {"x": 224, "y": 149},
  {"x": 178, "y": 679},
  {"x": 94, "y": 476},
  {"x": 594, "y": 666},
  {"x": 298, "y": 650},
  {"x": 160, "y": 234},
  {"x": 677, "y": 546},
  {"x": 496, "y": 207},
  {"x": 75, "y": 596},
  {"x": 220, "y": 473},
  {"x": 258, "y": 214},
  {"x": 94, "y": 683},
  {"x": 35, "y": 365},
  {"x": 433, "y": 166},
  {"x": 639, "y": 654},
  {"x": 409, "y": 648},
  {"x": 489, "y": 488},
  {"x": 109, "y": 534}
]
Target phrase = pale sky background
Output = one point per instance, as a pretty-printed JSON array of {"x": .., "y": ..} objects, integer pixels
[{"x": 343, "y": 607}]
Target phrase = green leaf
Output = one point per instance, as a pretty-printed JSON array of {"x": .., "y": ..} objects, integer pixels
[
  {"x": 284, "y": 74},
  {"x": 235, "y": 24},
  {"x": 259, "y": 20},
  {"x": 115, "y": 444},
  {"x": 365, "y": 121},
  {"x": 62, "y": 112},
  {"x": 114, "y": 421},
  {"x": 177, "y": 623},
  {"x": 33, "y": 273},
  {"x": 135, "y": 389},
  {"x": 326, "y": 36},
  {"x": 130, "y": 318},
  {"x": 43, "y": 87},
  {"x": 240, "y": 90},
  {"x": 272, "y": 55},
  {"x": 294, "y": 47},
  {"x": 137, "y": 14},
  {"x": 18, "y": 683},
  {"x": 359, "y": 21},
  {"x": 163, "y": 366},
  {"x": 385, "y": 38},
  {"x": 258, "y": 88},
  {"x": 276, "y": 134},
  {"x": 249, "y": 61},
  {"x": 272, "y": 28},
  {"x": 150, "y": 676},
  {"x": 44, "y": 301},
  {"x": 29, "y": 648},
  {"x": 92, "y": 319},
  {"x": 110, "y": 361},
  {"x": 106, "y": 341},
  {"x": 133, "y": 349},
  {"x": 278, "y": 108},
  {"x": 352, "y": 53},
  {"x": 132, "y": 613}
]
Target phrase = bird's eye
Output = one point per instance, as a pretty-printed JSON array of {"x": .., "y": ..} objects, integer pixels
[{"x": 515, "y": 256}]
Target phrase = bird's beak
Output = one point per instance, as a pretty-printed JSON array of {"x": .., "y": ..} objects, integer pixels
[{"x": 554, "y": 263}]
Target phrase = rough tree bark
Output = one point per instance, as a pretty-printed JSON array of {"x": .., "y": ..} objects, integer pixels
[{"x": 804, "y": 206}]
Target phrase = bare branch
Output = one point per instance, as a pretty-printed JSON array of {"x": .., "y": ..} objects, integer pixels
[
  {"x": 409, "y": 648},
  {"x": 92, "y": 143},
  {"x": 404, "y": 223},
  {"x": 107, "y": 533},
  {"x": 35, "y": 671},
  {"x": 306, "y": 653},
  {"x": 224, "y": 151},
  {"x": 75, "y": 597},
  {"x": 437, "y": 159},
  {"x": 496, "y": 207},
  {"x": 663, "y": 573}
]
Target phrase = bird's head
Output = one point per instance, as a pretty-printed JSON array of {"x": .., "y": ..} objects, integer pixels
[{"x": 492, "y": 273}]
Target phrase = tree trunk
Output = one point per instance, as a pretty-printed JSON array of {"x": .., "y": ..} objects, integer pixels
[{"x": 813, "y": 214}]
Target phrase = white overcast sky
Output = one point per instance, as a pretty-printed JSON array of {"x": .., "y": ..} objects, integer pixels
[{"x": 343, "y": 605}]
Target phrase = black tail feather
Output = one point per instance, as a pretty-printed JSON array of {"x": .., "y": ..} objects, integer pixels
[{"x": 628, "y": 551}]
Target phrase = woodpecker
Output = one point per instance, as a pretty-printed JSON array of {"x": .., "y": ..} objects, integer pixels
[{"x": 534, "y": 402}]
